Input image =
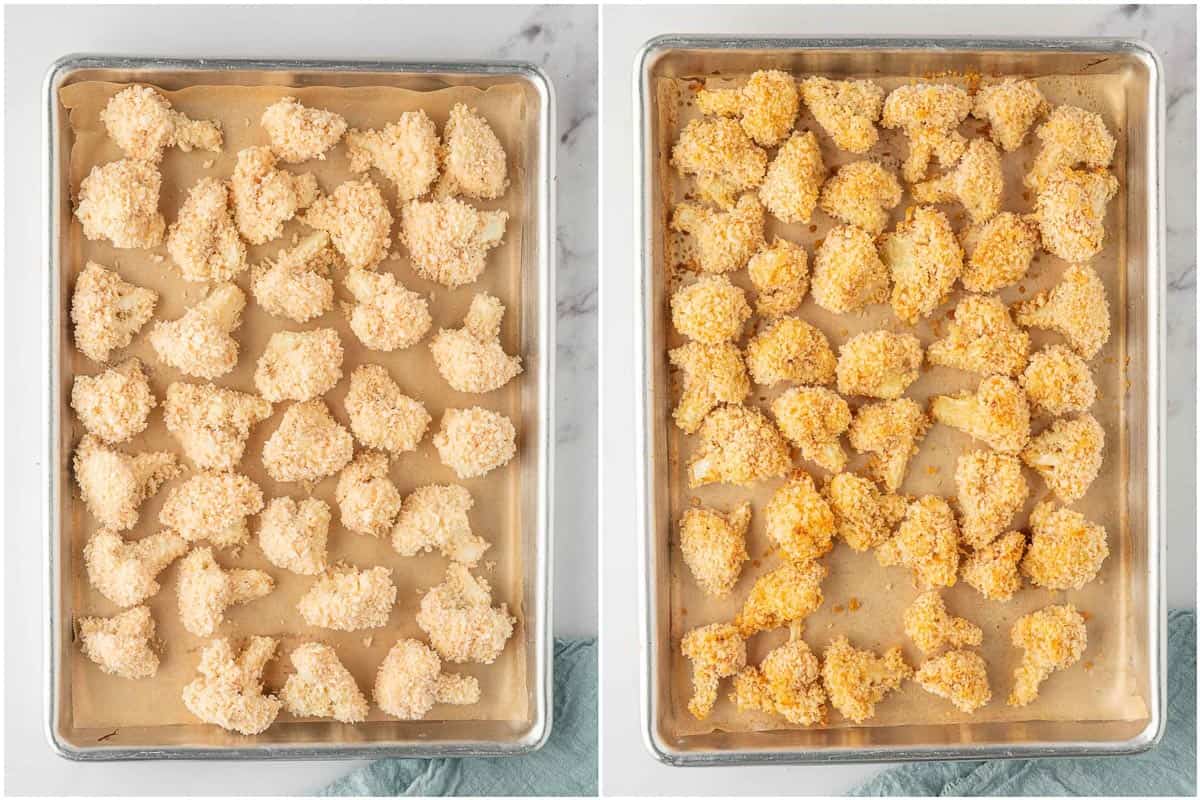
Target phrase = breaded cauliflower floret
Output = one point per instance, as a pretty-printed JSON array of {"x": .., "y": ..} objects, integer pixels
[
  {"x": 931, "y": 627},
  {"x": 793, "y": 182},
  {"x": 473, "y": 160},
  {"x": 212, "y": 424},
  {"x": 1057, "y": 381},
  {"x": 126, "y": 572},
  {"x": 738, "y": 445},
  {"x": 460, "y": 621},
  {"x": 711, "y": 310},
  {"x": 381, "y": 416},
  {"x": 997, "y": 414},
  {"x": 200, "y": 343},
  {"x": 929, "y": 115},
  {"x": 926, "y": 542},
  {"x": 779, "y": 272},
  {"x": 296, "y": 284},
  {"x": 725, "y": 239},
  {"x": 298, "y": 132},
  {"x": 115, "y": 484},
  {"x": 783, "y": 596},
  {"x": 294, "y": 535},
  {"x": 404, "y": 151},
  {"x": 321, "y": 686},
  {"x": 879, "y": 364},
  {"x": 1070, "y": 137},
  {"x": 143, "y": 124},
  {"x": 471, "y": 358},
  {"x": 118, "y": 201},
  {"x": 1010, "y": 108},
  {"x": 992, "y": 570},
  {"x": 712, "y": 374},
  {"x": 1065, "y": 551},
  {"x": 977, "y": 182},
  {"x": 299, "y": 365},
  {"x": 203, "y": 241},
  {"x": 206, "y": 590},
  {"x": 846, "y": 110},
  {"x": 725, "y": 161},
  {"x": 435, "y": 517},
  {"x": 847, "y": 271},
  {"x": 787, "y": 682},
  {"x": 229, "y": 689},
  {"x": 799, "y": 520},
  {"x": 308, "y": 445},
  {"x": 991, "y": 490},
  {"x": 212, "y": 506},
  {"x": 1053, "y": 639},
  {"x": 856, "y": 680},
  {"x": 1077, "y": 308},
  {"x": 349, "y": 599},
  {"x": 790, "y": 349},
  {"x": 982, "y": 338},
  {"x": 474, "y": 441},
  {"x": 1067, "y": 455},
  {"x": 1070, "y": 213},
  {"x": 114, "y": 406},
  {"x": 106, "y": 311},
  {"x": 449, "y": 240},
  {"x": 998, "y": 252},
  {"x": 358, "y": 222},
  {"x": 387, "y": 316},
  {"x": 959, "y": 676},
  {"x": 861, "y": 193},
  {"x": 366, "y": 496},
  {"x": 410, "y": 682},
  {"x": 121, "y": 645},
  {"x": 767, "y": 105},
  {"x": 714, "y": 546},
  {"x": 265, "y": 197},
  {"x": 889, "y": 430},
  {"x": 716, "y": 651},
  {"x": 925, "y": 259},
  {"x": 863, "y": 516},
  {"x": 813, "y": 419}
]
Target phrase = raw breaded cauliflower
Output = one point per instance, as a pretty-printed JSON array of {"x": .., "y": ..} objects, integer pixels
[
  {"x": 1067, "y": 455},
  {"x": 118, "y": 201},
  {"x": 1057, "y": 381},
  {"x": 1070, "y": 137},
  {"x": 358, "y": 222},
  {"x": 931, "y": 627},
  {"x": 410, "y": 682},
  {"x": 115, "y": 405},
  {"x": 926, "y": 542},
  {"x": 959, "y": 676},
  {"x": 738, "y": 445},
  {"x": 143, "y": 124},
  {"x": 473, "y": 160},
  {"x": 1010, "y": 108},
  {"x": 879, "y": 364},
  {"x": 766, "y": 104},
  {"x": 846, "y": 110},
  {"x": 799, "y": 520},
  {"x": 405, "y": 152},
  {"x": 1065, "y": 551},
  {"x": 813, "y": 419},
  {"x": 435, "y": 517},
  {"x": 790, "y": 349},
  {"x": 349, "y": 599},
  {"x": 1053, "y": 639},
  {"x": 847, "y": 271},
  {"x": 992, "y": 569},
  {"x": 998, "y": 252},
  {"x": 712, "y": 374},
  {"x": 381, "y": 416},
  {"x": 229, "y": 689},
  {"x": 106, "y": 311},
  {"x": 387, "y": 316},
  {"x": 265, "y": 197},
  {"x": 471, "y": 358},
  {"x": 1077, "y": 308},
  {"x": 203, "y": 241},
  {"x": 460, "y": 620},
  {"x": 449, "y": 240},
  {"x": 929, "y": 115},
  {"x": 712, "y": 310},
  {"x": 725, "y": 161},
  {"x": 296, "y": 284},
  {"x": 779, "y": 272},
  {"x": 115, "y": 484},
  {"x": 126, "y": 572},
  {"x": 200, "y": 343},
  {"x": 321, "y": 686},
  {"x": 861, "y": 193},
  {"x": 206, "y": 590},
  {"x": 299, "y": 365},
  {"x": 366, "y": 496},
  {"x": 213, "y": 506},
  {"x": 714, "y": 546},
  {"x": 474, "y": 441},
  {"x": 991, "y": 490},
  {"x": 856, "y": 680},
  {"x": 889, "y": 430},
  {"x": 863, "y": 516},
  {"x": 1070, "y": 213},
  {"x": 997, "y": 414},
  {"x": 793, "y": 181},
  {"x": 298, "y": 132},
  {"x": 308, "y": 445},
  {"x": 725, "y": 239},
  {"x": 982, "y": 338},
  {"x": 977, "y": 182},
  {"x": 212, "y": 424},
  {"x": 787, "y": 682},
  {"x": 925, "y": 259},
  {"x": 121, "y": 645},
  {"x": 783, "y": 596},
  {"x": 716, "y": 651},
  {"x": 294, "y": 535}
]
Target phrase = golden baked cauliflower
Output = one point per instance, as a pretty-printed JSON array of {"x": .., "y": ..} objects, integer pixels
[
  {"x": 931, "y": 627},
  {"x": 1066, "y": 551},
  {"x": 716, "y": 651},
  {"x": 929, "y": 115},
  {"x": 1077, "y": 308},
  {"x": 766, "y": 105},
  {"x": 1010, "y": 108},
  {"x": 738, "y": 445},
  {"x": 998, "y": 252},
  {"x": 787, "y": 682},
  {"x": 725, "y": 240},
  {"x": 847, "y": 271},
  {"x": 926, "y": 542},
  {"x": 813, "y": 418},
  {"x": 1067, "y": 455},
  {"x": 779, "y": 272},
  {"x": 993, "y": 569},
  {"x": 982, "y": 338},
  {"x": 783, "y": 596},
  {"x": 799, "y": 520},
  {"x": 1057, "y": 381},
  {"x": 711, "y": 310},
  {"x": 723, "y": 158},
  {"x": 861, "y": 193},
  {"x": 856, "y": 680},
  {"x": 790, "y": 349},
  {"x": 889, "y": 430},
  {"x": 959, "y": 676},
  {"x": 713, "y": 545},
  {"x": 846, "y": 110},
  {"x": 991, "y": 490},
  {"x": 793, "y": 182},
  {"x": 997, "y": 414},
  {"x": 977, "y": 182},
  {"x": 863, "y": 516},
  {"x": 1053, "y": 639},
  {"x": 1070, "y": 137},
  {"x": 1070, "y": 213},
  {"x": 879, "y": 364},
  {"x": 712, "y": 374},
  {"x": 925, "y": 259}
]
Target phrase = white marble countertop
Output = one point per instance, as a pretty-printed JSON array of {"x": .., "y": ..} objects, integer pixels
[
  {"x": 627, "y": 767},
  {"x": 560, "y": 39}
]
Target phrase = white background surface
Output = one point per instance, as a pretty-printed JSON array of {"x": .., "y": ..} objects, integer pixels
[
  {"x": 561, "y": 40},
  {"x": 626, "y": 765}
]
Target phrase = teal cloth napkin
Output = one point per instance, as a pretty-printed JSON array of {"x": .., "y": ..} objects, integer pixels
[
  {"x": 566, "y": 766},
  {"x": 1168, "y": 769}
]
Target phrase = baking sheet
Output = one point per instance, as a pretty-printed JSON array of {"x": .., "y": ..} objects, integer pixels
[
  {"x": 1104, "y": 685},
  {"x": 99, "y": 700}
]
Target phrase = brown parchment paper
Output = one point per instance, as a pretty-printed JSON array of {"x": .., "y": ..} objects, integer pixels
[
  {"x": 102, "y": 700},
  {"x": 863, "y": 600}
]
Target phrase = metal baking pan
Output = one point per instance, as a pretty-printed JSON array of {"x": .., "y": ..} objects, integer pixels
[
  {"x": 1137, "y": 308},
  {"x": 317, "y": 740}
]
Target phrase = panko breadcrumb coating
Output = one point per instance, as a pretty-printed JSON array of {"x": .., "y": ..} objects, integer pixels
[
  {"x": 1070, "y": 213},
  {"x": 793, "y": 182},
  {"x": 265, "y": 197},
  {"x": 449, "y": 240},
  {"x": 856, "y": 680},
  {"x": 212, "y": 506},
  {"x": 410, "y": 682},
  {"x": 1077, "y": 308},
  {"x": 813, "y": 418},
  {"x": 115, "y": 405},
  {"x": 861, "y": 193},
  {"x": 126, "y": 572},
  {"x": 787, "y": 682},
  {"x": 299, "y": 365},
  {"x": 114, "y": 484},
  {"x": 725, "y": 161},
  {"x": 1065, "y": 551},
  {"x": 206, "y": 590},
  {"x": 997, "y": 414},
  {"x": 790, "y": 349},
  {"x": 143, "y": 124},
  {"x": 387, "y": 316},
  {"x": 203, "y": 241},
  {"x": 1010, "y": 109},
  {"x": 405, "y": 152},
  {"x": 847, "y": 271},
  {"x": 863, "y": 516},
  {"x": 200, "y": 343},
  {"x": 460, "y": 621},
  {"x": 725, "y": 239},
  {"x": 358, "y": 222},
  {"x": 889, "y": 430},
  {"x": 296, "y": 284},
  {"x": 711, "y": 310},
  {"x": 349, "y": 599},
  {"x": 926, "y": 542},
  {"x": 977, "y": 182},
  {"x": 929, "y": 115},
  {"x": 879, "y": 364},
  {"x": 212, "y": 424},
  {"x": 1053, "y": 639},
  {"x": 738, "y": 445},
  {"x": 992, "y": 570},
  {"x": 118, "y": 201},
  {"x": 381, "y": 416},
  {"x": 294, "y": 535},
  {"x": 106, "y": 311},
  {"x": 1070, "y": 137},
  {"x": 846, "y": 110},
  {"x": 714, "y": 546},
  {"x": 998, "y": 252},
  {"x": 321, "y": 686},
  {"x": 1067, "y": 455},
  {"x": 229, "y": 689},
  {"x": 121, "y": 645},
  {"x": 474, "y": 441},
  {"x": 473, "y": 160},
  {"x": 712, "y": 374},
  {"x": 982, "y": 338},
  {"x": 925, "y": 259},
  {"x": 298, "y": 132},
  {"x": 366, "y": 496},
  {"x": 471, "y": 358},
  {"x": 435, "y": 517},
  {"x": 991, "y": 490},
  {"x": 308, "y": 445},
  {"x": 799, "y": 520},
  {"x": 767, "y": 105},
  {"x": 959, "y": 676},
  {"x": 716, "y": 651},
  {"x": 779, "y": 272},
  {"x": 783, "y": 596},
  {"x": 931, "y": 627},
  {"x": 1057, "y": 381}
]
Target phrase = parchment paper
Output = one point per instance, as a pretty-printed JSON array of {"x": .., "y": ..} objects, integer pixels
[{"x": 102, "y": 700}]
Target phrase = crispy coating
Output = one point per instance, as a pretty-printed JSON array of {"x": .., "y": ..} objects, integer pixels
[
  {"x": 738, "y": 445},
  {"x": 308, "y": 445},
  {"x": 1053, "y": 639},
  {"x": 861, "y": 193},
  {"x": 474, "y": 441},
  {"x": 381, "y": 416},
  {"x": 711, "y": 310},
  {"x": 212, "y": 506},
  {"x": 296, "y": 284},
  {"x": 200, "y": 343},
  {"x": 926, "y": 542},
  {"x": 725, "y": 161},
  {"x": 121, "y": 645},
  {"x": 847, "y": 271},
  {"x": 714, "y": 546},
  {"x": 206, "y": 590},
  {"x": 931, "y": 627},
  {"x": 449, "y": 240},
  {"x": 787, "y": 682},
  {"x": 115, "y": 405},
  {"x": 959, "y": 676},
  {"x": 366, "y": 496},
  {"x": 349, "y": 599},
  {"x": 889, "y": 430},
  {"x": 473, "y": 160},
  {"x": 992, "y": 569},
  {"x": 265, "y": 197},
  {"x": 813, "y": 419},
  {"x": 977, "y": 182},
  {"x": 716, "y": 651},
  {"x": 712, "y": 374},
  {"x": 387, "y": 316},
  {"x": 321, "y": 686},
  {"x": 1010, "y": 109},
  {"x": 126, "y": 572},
  {"x": 1077, "y": 308},
  {"x": 925, "y": 259},
  {"x": 358, "y": 222},
  {"x": 410, "y": 682},
  {"x": 298, "y": 133},
  {"x": 783, "y": 596},
  {"x": 435, "y": 517},
  {"x": 1070, "y": 213},
  {"x": 846, "y": 110},
  {"x": 211, "y": 423},
  {"x": 929, "y": 114},
  {"x": 114, "y": 484},
  {"x": 799, "y": 521},
  {"x": 767, "y": 105},
  {"x": 725, "y": 239},
  {"x": 856, "y": 680},
  {"x": 118, "y": 201},
  {"x": 299, "y": 365},
  {"x": 1057, "y": 381},
  {"x": 460, "y": 620},
  {"x": 790, "y": 349},
  {"x": 991, "y": 490},
  {"x": 203, "y": 241},
  {"x": 997, "y": 414},
  {"x": 106, "y": 311},
  {"x": 879, "y": 364},
  {"x": 143, "y": 124},
  {"x": 294, "y": 535},
  {"x": 863, "y": 516},
  {"x": 1067, "y": 455},
  {"x": 793, "y": 181},
  {"x": 779, "y": 272},
  {"x": 1065, "y": 551},
  {"x": 1070, "y": 137},
  {"x": 471, "y": 358},
  {"x": 405, "y": 152},
  {"x": 229, "y": 690},
  {"x": 998, "y": 252},
  {"x": 982, "y": 338}
]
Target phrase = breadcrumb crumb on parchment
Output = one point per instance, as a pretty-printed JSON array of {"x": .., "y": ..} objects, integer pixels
[
  {"x": 349, "y": 599},
  {"x": 106, "y": 311},
  {"x": 121, "y": 645},
  {"x": 474, "y": 441},
  {"x": 714, "y": 546},
  {"x": 460, "y": 620},
  {"x": 410, "y": 682},
  {"x": 381, "y": 416},
  {"x": 115, "y": 405},
  {"x": 299, "y": 133},
  {"x": 321, "y": 686},
  {"x": 118, "y": 201},
  {"x": 405, "y": 152},
  {"x": 229, "y": 690}
]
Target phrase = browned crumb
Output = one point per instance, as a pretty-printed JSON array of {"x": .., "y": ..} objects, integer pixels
[
  {"x": 712, "y": 374},
  {"x": 471, "y": 358},
  {"x": 737, "y": 445},
  {"x": 381, "y": 416},
  {"x": 1066, "y": 551},
  {"x": 890, "y": 431},
  {"x": 126, "y": 572},
  {"x": 996, "y": 414},
  {"x": 293, "y": 535},
  {"x": 714, "y": 546},
  {"x": 203, "y": 241},
  {"x": 1070, "y": 213},
  {"x": 767, "y": 105},
  {"x": 716, "y": 651},
  {"x": 960, "y": 676},
  {"x": 366, "y": 496},
  {"x": 296, "y": 284},
  {"x": 1070, "y": 137},
  {"x": 321, "y": 686},
  {"x": 783, "y": 596},
  {"x": 265, "y": 197},
  {"x": 410, "y": 682},
  {"x": 298, "y": 132},
  {"x": 449, "y": 240},
  {"x": 925, "y": 259},
  {"x": 473, "y": 160},
  {"x": 711, "y": 310},
  {"x": 879, "y": 364},
  {"x": 212, "y": 424},
  {"x": 982, "y": 338},
  {"x": 106, "y": 311},
  {"x": 299, "y": 365},
  {"x": 1057, "y": 381},
  {"x": 229, "y": 689},
  {"x": 977, "y": 182},
  {"x": 725, "y": 161},
  {"x": 200, "y": 343},
  {"x": 931, "y": 627},
  {"x": 790, "y": 349},
  {"x": 474, "y": 441},
  {"x": 349, "y": 599},
  {"x": 435, "y": 517},
  {"x": 998, "y": 252},
  {"x": 460, "y": 620},
  {"x": 779, "y": 272},
  {"x": 213, "y": 506},
  {"x": 1067, "y": 455},
  {"x": 726, "y": 239},
  {"x": 358, "y": 222},
  {"x": 1053, "y": 639},
  {"x": 846, "y": 110},
  {"x": 118, "y": 201},
  {"x": 926, "y": 542},
  {"x": 863, "y": 516},
  {"x": 1010, "y": 108},
  {"x": 861, "y": 193},
  {"x": 929, "y": 115},
  {"x": 121, "y": 645},
  {"x": 114, "y": 484},
  {"x": 405, "y": 152},
  {"x": 143, "y": 124},
  {"x": 813, "y": 419},
  {"x": 206, "y": 590},
  {"x": 799, "y": 520},
  {"x": 1077, "y": 308},
  {"x": 991, "y": 490},
  {"x": 847, "y": 271},
  {"x": 115, "y": 405},
  {"x": 992, "y": 569},
  {"x": 856, "y": 680},
  {"x": 793, "y": 181},
  {"x": 308, "y": 445}
]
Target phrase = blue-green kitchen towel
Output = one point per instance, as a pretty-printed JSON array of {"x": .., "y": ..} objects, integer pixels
[
  {"x": 566, "y": 766},
  {"x": 1168, "y": 769}
]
